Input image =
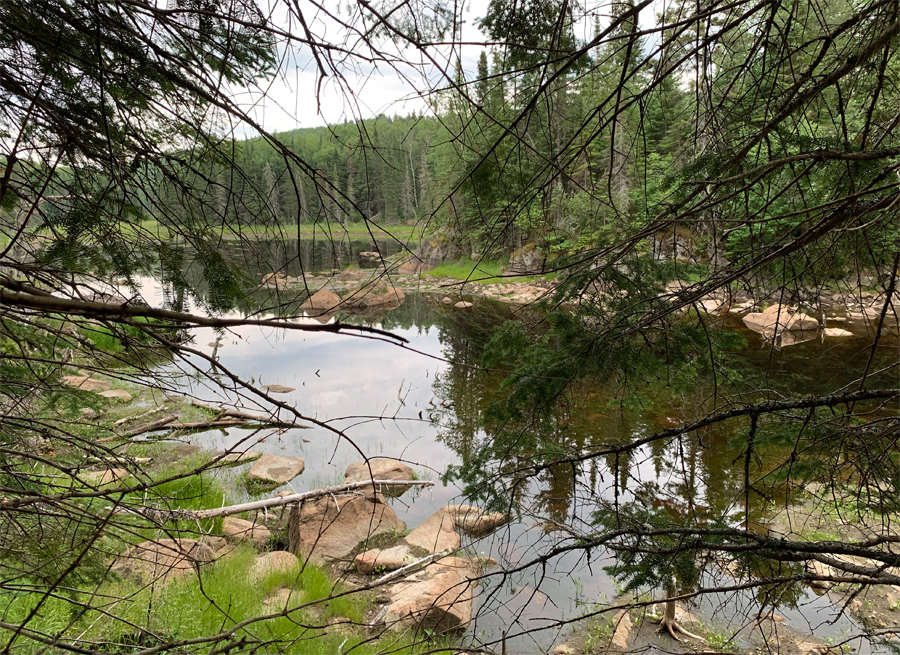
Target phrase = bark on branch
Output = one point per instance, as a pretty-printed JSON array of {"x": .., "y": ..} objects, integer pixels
[{"x": 165, "y": 515}]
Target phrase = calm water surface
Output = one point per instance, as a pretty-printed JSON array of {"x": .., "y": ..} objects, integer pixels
[{"x": 383, "y": 397}]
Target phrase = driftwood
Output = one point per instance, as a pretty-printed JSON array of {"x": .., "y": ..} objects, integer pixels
[
  {"x": 225, "y": 417},
  {"x": 250, "y": 416},
  {"x": 150, "y": 427},
  {"x": 409, "y": 568},
  {"x": 164, "y": 515},
  {"x": 136, "y": 417},
  {"x": 215, "y": 423}
]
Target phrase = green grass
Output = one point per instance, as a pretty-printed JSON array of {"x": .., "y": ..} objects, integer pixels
[
  {"x": 398, "y": 231},
  {"x": 189, "y": 609},
  {"x": 486, "y": 271}
]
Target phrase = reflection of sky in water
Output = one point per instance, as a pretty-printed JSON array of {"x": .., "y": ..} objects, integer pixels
[{"x": 350, "y": 383}]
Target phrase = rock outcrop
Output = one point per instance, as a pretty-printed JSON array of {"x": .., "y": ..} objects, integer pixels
[
  {"x": 163, "y": 560},
  {"x": 442, "y": 246},
  {"x": 527, "y": 260},
  {"x": 275, "y": 469},
  {"x": 332, "y": 527}
]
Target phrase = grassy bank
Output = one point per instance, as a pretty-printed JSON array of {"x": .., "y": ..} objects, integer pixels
[
  {"x": 333, "y": 230},
  {"x": 222, "y": 598},
  {"x": 485, "y": 271}
]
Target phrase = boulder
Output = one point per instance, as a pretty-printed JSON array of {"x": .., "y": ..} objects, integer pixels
[
  {"x": 379, "y": 297},
  {"x": 116, "y": 394},
  {"x": 277, "y": 388},
  {"x": 447, "y": 300},
  {"x": 163, "y": 560},
  {"x": 463, "y": 304},
  {"x": 412, "y": 266},
  {"x": 109, "y": 476},
  {"x": 389, "y": 559},
  {"x": 354, "y": 274},
  {"x": 322, "y": 301},
  {"x": 275, "y": 469},
  {"x": 280, "y": 599},
  {"x": 368, "y": 254},
  {"x": 621, "y": 631},
  {"x": 837, "y": 332},
  {"x": 279, "y": 560},
  {"x": 437, "y": 598},
  {"x": 215, "y": 542},
  {"x": 85, "y": 383},
  {"x": 382, "y": 468},
  {"x": 332, "y": 527},
  {"x": 475, "y": 521},
  {"x": 241, "y": 530},
  {"x": 436, "y": 533},
  {"x": 775, "y": 319}
]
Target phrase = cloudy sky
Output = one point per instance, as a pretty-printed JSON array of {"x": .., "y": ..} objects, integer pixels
[{"x": 290, "y": 100}]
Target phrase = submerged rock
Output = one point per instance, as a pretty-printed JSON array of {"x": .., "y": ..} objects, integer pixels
[
  {"x": 332, "y": 527},
  {"x": 163, "y": 560},
  {"x": 276, "y": 469}
]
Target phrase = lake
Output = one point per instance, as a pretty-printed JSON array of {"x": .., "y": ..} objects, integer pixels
[{"x": 423, "y": 404}]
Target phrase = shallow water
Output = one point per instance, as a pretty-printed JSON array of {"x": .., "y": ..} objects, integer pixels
[{"x": 383, "y": 398}]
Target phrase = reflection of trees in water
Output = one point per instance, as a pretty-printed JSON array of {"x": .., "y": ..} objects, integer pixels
[{"x": 463, "y": 390}]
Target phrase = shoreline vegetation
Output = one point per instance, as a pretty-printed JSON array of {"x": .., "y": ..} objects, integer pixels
[{"x": 296, "y": 602}]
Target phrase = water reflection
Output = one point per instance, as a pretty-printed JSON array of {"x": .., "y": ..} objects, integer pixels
[{"x": 425, "y": 405}]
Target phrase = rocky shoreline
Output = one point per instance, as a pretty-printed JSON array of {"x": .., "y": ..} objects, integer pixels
[{"x": 831, "y": 314}]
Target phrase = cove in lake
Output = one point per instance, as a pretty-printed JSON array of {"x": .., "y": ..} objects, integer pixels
[{"x": 423, "y": 405}]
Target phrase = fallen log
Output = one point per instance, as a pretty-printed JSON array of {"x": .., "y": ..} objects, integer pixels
[
  {"x": 250, "y": 416},
  {"x": 165, "y": 515},
  {"x": 150, "y": 427}
]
